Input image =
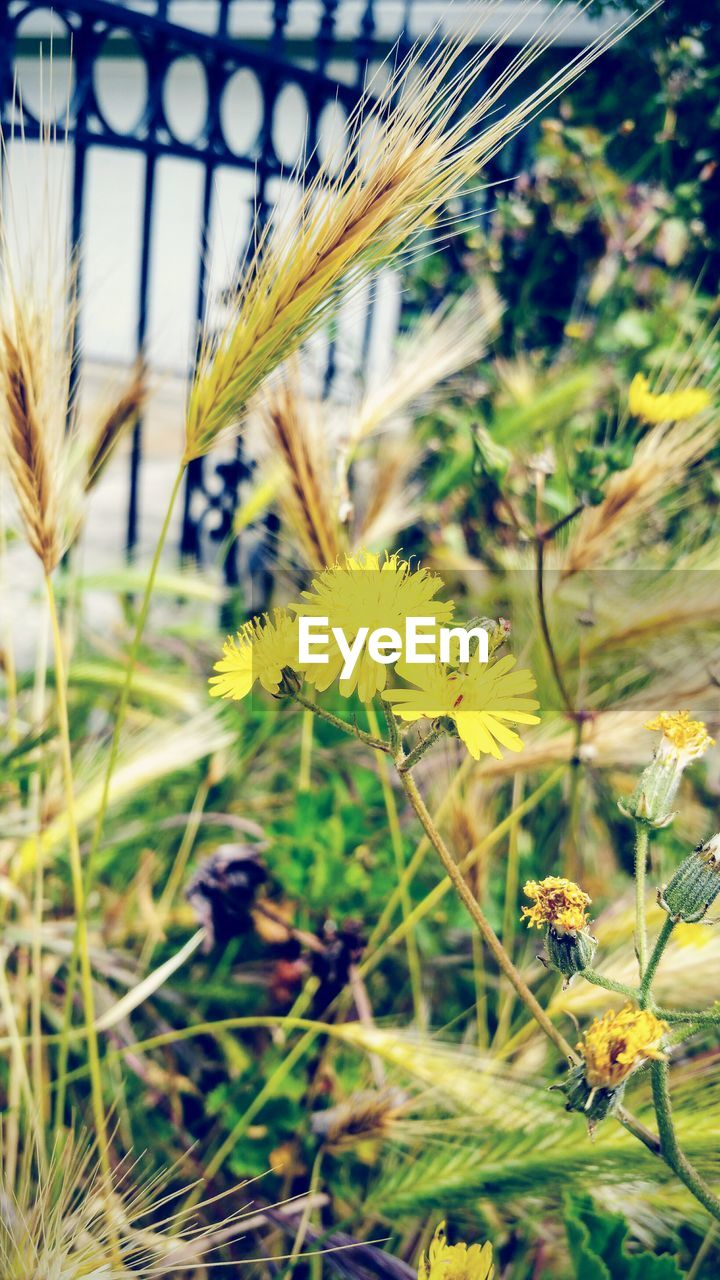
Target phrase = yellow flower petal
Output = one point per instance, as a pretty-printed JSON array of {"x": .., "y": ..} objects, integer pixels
[
  {"x": 667, "y": 406},
  {"x": 260, "y": 651},
  {"x": 619, "y": 1041}
]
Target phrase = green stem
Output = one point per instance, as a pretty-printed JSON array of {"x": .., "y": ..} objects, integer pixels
[
  {"x": 413, "y": 957},
  {"x": 305, "y": 1218},
  {"x": 120, "y": 719},
  {"x": 79, "y": 900},
  {"x": 410, "y": 760},
  {"x": 376, "y": 949},
  {"x": 476, "y": 913},
  {"x": 510, "y": 906},
  {"x": 129, "y": 672},
  {"x": 669, "y": 1146},
  {"x": 703, "y": 1017},
  {"x": 653, "y": 962},
  {"x": 638, "y": 1130},
  {"x": 177, "y": 873},
  {"x": 609, "y": 984},
  {"x": 545, "y": 629},
  {"x": 38, "y": 712},
  {"x": 376, "y": 743},
  {"x": 66, "y": 1035},
  {"x": 641, "y": 854},
  {"x": 306, "y": 746}
]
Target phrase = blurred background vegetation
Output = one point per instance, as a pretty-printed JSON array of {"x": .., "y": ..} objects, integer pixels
[{"x": 603, "y": 253}]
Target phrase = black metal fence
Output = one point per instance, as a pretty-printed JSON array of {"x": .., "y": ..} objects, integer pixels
[{"x": 259, "y": 36}]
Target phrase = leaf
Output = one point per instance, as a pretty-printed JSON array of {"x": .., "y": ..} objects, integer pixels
[
  {"x": 183, "y": 584},
  {"x": 597, "y": 1247}
]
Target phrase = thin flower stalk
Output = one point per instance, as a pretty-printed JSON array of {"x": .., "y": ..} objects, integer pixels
[
  {"x": 483, "y": 924},
  {"x": 78, "y": 885},
  {"x": 641, "y": 857},
  {"x": 670, "y": 1147},
  {"x": 413, "y": 957}
]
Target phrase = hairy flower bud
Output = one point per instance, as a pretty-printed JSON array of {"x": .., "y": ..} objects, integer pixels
[
  {"x": 594, "y": 1103},
  {"x": 693, "y": 888},
  {"x": 569, "y": 953}
]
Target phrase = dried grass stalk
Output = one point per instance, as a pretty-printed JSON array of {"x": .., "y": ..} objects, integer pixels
[
  {"x": 425, "y": 149},
  {"x": 29, "y": 381},
  {"x": 661, "y": 462},
  {"x": 119, "y": 418},
  {"x": 392, "y": 503},
  {"x": 442, "y": 344},
  {"x": 292, "y": 426}
]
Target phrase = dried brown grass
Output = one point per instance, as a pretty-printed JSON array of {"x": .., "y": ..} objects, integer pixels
[
  {"x": 662, "y": 461},
  {"x": 35, "y": 389},
  {"x": 118, "y": 419},
  {"x": 293, "y": 426}
]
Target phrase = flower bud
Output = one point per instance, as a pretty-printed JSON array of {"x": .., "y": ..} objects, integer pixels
[
  {"x": 569, "y": 953},
  {"x": 683, "y": 740},
  {"x": 695, "y": 885},
  {"x": 594, "y": 1103}
]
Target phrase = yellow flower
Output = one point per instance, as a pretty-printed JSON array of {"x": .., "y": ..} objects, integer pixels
[
  {"x": 367, "y": 590},
  {"x": 666, "y": 406},
  {"x": 558, "y": 903},
  {"x": 577, "y": 329},
  {"x": 478, "y": 699},
  {"x": 616, "y": 1043},
  {"x": 683, "y": 738},
  {"x": 262, "y": 648},
  {"x": 456, "y": 1261}
]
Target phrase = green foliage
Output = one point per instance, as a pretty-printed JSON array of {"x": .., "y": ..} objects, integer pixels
[{"x": 598, "y": 1241}]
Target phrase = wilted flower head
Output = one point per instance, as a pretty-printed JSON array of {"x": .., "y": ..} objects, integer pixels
[
  {"x": 683, "y": 740},
  {"x": 612, "y": 1048},
  {"x": 343, "y": 948},
  {"x": 445, "y": 1261},
  {"x": 556, "y": 902},
  {"x": 263, "y": 648},
  {"x": 618, "y": 1042},
  {"x": 479, "y": 700},
  {"x": 666, "y": 406},
  {"x": 223, "y": 889}
]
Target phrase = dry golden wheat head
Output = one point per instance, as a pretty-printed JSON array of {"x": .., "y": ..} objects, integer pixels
[
  {"x": 33, "y": 420},
  {"x": 427, "y": 144},
  {"x": 660, "y": 465},
  {"x": 294, "y": 428},
  {"x": 443, "y": 343},
  {"x": 392, "y": 499},
  {"x": 117, "y": 420}
]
